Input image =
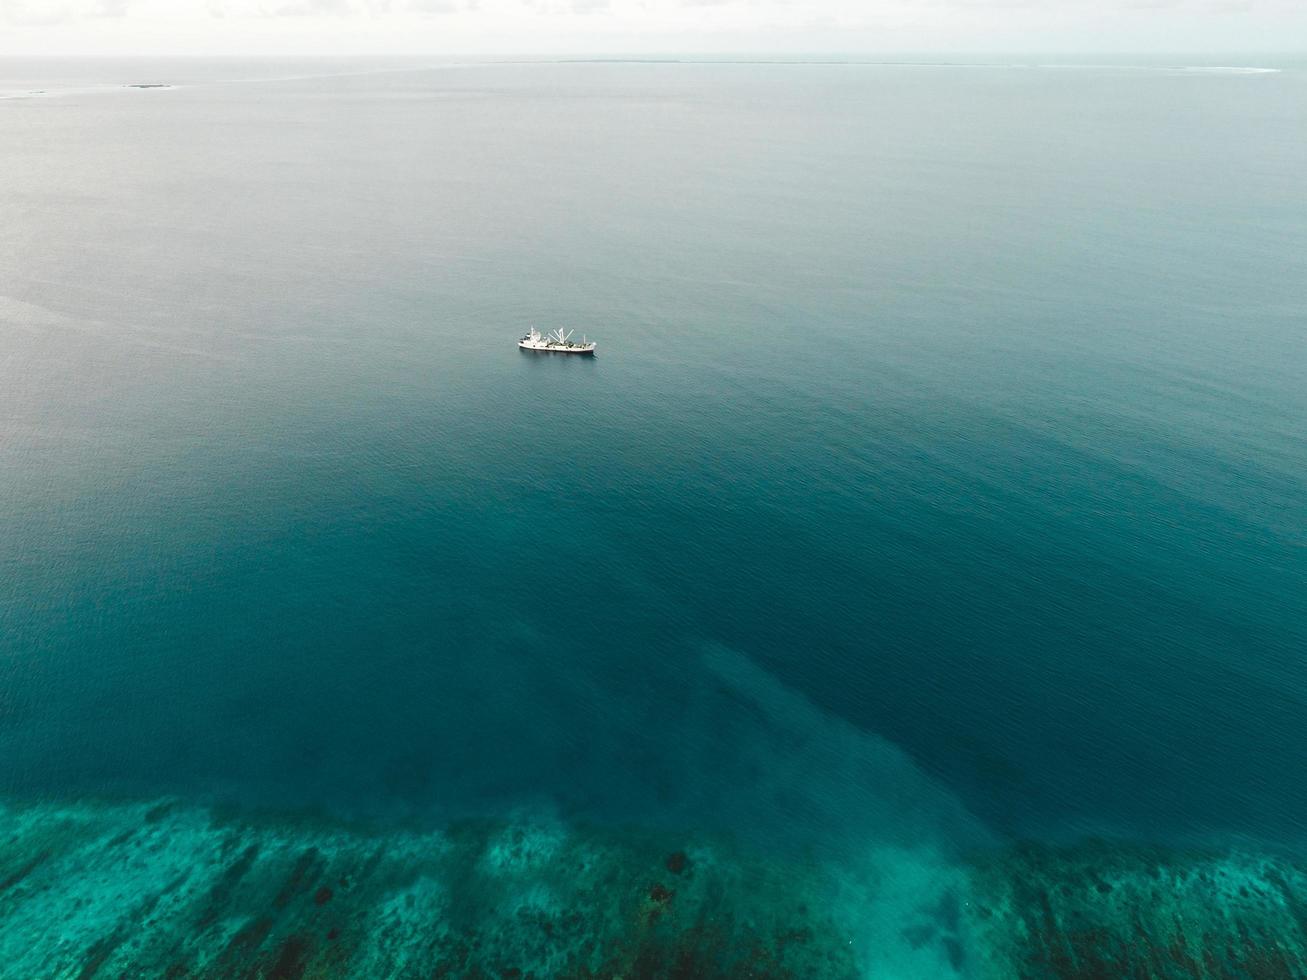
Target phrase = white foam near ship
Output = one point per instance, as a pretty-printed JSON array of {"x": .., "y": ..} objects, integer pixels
[{"x": 557, "y": 341}]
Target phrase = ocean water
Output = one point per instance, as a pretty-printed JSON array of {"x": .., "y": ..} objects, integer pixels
[{"x": 939, "y": 490}]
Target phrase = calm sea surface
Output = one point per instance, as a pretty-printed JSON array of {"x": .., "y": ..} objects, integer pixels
[{"x": 942, "y": 473}]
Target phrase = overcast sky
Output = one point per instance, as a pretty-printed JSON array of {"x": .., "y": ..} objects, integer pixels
[{"x": 477, "y": 27}]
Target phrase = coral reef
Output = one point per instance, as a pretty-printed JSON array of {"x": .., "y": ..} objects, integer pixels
[
  {"x": 168, "y": 890},
  {"x": 1110, "y": 910}
]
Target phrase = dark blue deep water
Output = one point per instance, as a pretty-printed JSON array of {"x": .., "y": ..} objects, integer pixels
[{"x": 943, "y": 470}]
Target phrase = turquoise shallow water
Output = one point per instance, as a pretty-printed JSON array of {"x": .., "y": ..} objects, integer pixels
[{"x": 940, "y": 481}]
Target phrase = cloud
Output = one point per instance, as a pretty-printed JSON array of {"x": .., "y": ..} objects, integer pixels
[
  {"x": 21, "y": 13},
  {"x": 326, "y": 27},
  {"x": 42, "y": 12},
  {"x": 439, "y": 6},
  {"x": 314, "y": 8},
  {"x": 394, "y": 10}
]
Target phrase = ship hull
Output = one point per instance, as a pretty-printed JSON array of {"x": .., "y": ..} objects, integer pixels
[{"x": 583, "y": 349}]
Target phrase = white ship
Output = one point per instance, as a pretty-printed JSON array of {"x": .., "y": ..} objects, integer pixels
[{"x": 557, "y": 341}]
